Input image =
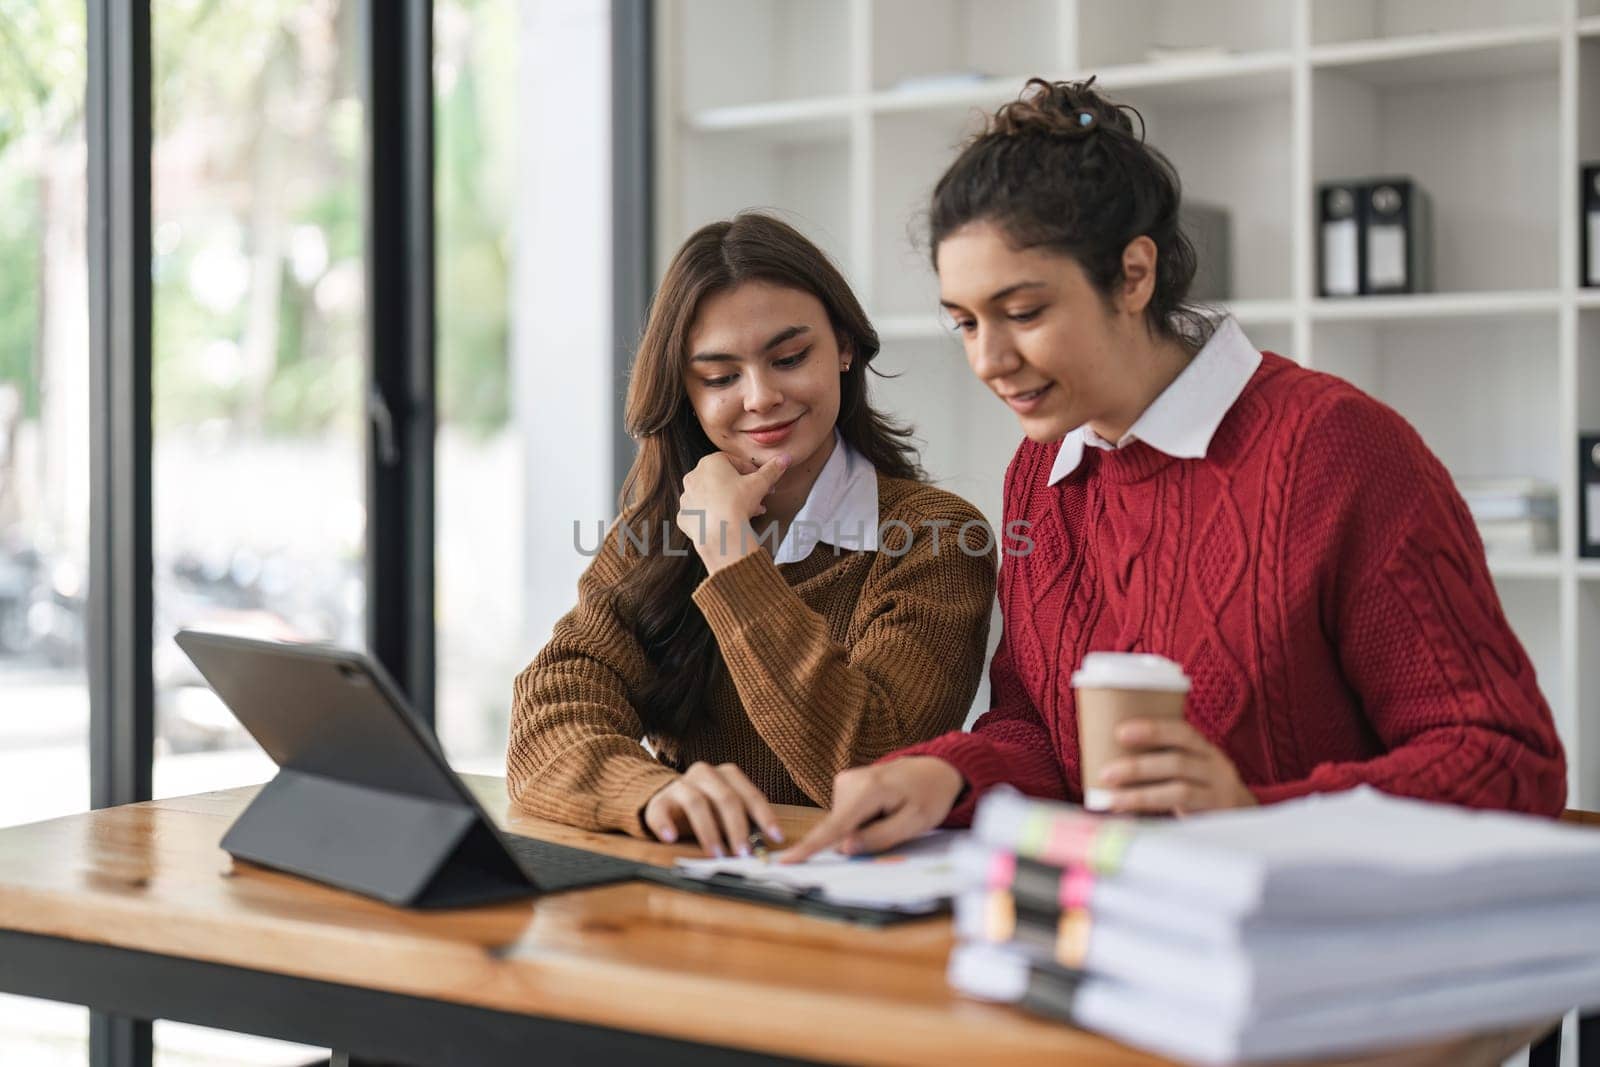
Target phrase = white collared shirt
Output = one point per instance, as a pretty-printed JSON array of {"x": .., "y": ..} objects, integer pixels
[
  {"x": 1181, "y": 421},
  {"x": 841, "y": 509}
]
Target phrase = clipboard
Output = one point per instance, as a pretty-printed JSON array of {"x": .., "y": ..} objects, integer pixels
[
  {"x": 804, "y": 901},
  {"x": 916, "y": 879}
]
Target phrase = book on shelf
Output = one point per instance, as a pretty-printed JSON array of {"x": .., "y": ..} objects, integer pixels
[
  {"x": 1508, "y": 498},
  {"x": 1518, "y": 537}
]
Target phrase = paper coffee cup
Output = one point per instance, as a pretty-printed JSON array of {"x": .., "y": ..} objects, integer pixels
[{"x": 1113, "y": 687}]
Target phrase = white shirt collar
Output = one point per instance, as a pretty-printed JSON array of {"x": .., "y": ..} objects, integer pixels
[
  {"x": 1181, "y": 421},
  {"x": 841, "y": 509}
]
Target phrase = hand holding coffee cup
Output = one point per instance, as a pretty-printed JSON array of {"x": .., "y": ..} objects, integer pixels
[{"x": 1137, "y": 754}]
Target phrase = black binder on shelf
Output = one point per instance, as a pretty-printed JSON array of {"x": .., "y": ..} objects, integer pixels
[
  {"x": 1589, "y": 227},
  {"x": 1339, "y": 240},
  {"x": 1589, "y": 495},
  {"x": 1397, "y": 238},
  {"x": 1208, "y": 228}
]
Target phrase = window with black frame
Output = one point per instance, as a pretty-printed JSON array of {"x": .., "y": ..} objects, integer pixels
[
  {"x": 258, "y": 290},
  {"x": 264, "y": 212},
  {"x": 258, "y": 423}
]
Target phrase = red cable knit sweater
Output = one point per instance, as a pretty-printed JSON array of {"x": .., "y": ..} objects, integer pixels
[{"x": 1316, "y": 574}]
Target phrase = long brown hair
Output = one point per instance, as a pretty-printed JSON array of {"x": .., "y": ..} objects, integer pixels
[{"x": 716, "y": 258}]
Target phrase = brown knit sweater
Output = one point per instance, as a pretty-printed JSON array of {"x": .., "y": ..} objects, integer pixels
[{"x": 833, "y": 662}]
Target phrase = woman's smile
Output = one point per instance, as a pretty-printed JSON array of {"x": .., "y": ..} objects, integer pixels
[
  {"x": 773, "y": 433},
  {"x": 1026, "y": 403}
]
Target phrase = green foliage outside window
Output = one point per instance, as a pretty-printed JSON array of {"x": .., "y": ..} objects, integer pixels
[
  {"x": 258, "y": 188},
  {"x": 42, "y": 70}
]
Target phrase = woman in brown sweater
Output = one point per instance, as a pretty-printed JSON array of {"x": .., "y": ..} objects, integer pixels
[{"x": 783, "y": 597}]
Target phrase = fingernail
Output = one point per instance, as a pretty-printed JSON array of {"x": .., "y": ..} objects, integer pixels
[
  {"x": 775, "y": 832},
  {"x": 783, "y": 459},
  {"x": 744, "y": 852},
  {"x": 716, "y": 850},
  {"x": 669, "y": 835}
]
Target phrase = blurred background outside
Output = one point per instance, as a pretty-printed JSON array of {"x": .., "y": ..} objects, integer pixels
[{"x": 259, "y": 422}]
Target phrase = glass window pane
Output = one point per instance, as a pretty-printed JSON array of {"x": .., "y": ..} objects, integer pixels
[
  {"x": 523, "y": 234},
  {"x": 479, "y": 475},
  {"x": 258, "y": 283},
  {"x": 44, "y": 456},
  {"x": 259, "y": 433}
]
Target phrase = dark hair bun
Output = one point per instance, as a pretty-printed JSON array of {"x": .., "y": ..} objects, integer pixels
[
  {"x": 1060, "y": 168},
  {"x": 1064, "y": 109}
]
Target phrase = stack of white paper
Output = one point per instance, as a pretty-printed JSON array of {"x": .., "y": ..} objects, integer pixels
[
  {"x": 1348, "y": 1024},
  {"x": 1332, "y": 924}
]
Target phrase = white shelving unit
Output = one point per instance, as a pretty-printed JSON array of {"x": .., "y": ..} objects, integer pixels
[{"x": 840, "y": 115}]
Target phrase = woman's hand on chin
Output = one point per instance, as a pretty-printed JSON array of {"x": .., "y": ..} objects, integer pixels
[{"x": 720, "y": 497}]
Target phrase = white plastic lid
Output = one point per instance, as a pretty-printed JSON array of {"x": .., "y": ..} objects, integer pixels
[{"x": 1130, "y": 670}]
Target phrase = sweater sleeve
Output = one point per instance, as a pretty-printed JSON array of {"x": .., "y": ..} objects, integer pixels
[
  {"x": 1009, "y": 744},
  {"x": 910, "y": 674},
  {"x": 1419, "y": 631},
  {"x": 574, "y": 753}
]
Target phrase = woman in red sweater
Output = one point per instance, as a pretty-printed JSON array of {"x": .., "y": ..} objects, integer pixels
[{"x": 1289, "y": 540}]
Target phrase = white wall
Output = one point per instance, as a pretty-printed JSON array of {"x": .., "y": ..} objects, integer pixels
[{"x": 561, "y": 303}]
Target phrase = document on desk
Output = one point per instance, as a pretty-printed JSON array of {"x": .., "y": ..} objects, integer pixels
[{"x": 918, "y": 876}]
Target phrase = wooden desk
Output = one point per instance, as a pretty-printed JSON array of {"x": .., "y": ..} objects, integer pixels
[{"x": 136, "y": 911}]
